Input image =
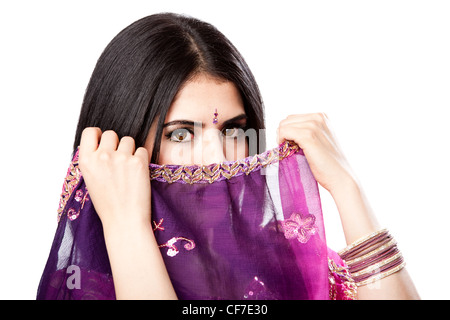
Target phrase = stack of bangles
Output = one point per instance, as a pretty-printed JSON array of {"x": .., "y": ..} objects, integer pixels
[{"x": 373, "y": 258}]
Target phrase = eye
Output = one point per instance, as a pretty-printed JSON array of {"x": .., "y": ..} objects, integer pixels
[
  {"x": 232, "y": 132},
  {"x": 180, "y": 135}
]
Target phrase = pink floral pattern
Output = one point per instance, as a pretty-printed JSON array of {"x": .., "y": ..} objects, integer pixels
[
  {"x": 300, "y": 227},
  {"x": 79, "y": 195},
  {"x": 172, "y": 249},
  {"x": 73, "y": 214}
]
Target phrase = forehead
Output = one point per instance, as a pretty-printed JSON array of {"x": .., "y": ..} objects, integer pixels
[{"x": 199, "y": 97}]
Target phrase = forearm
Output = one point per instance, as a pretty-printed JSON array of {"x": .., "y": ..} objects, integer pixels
[
  {"x": 136, "y": 262},
  {"x": 357, "y": 218},
  {"x": 359, "y": 221}
]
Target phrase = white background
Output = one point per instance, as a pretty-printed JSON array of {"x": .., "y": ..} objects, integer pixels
[{"x": 379, "y": 69}]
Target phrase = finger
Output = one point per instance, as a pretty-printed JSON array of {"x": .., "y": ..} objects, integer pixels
[
  {"x": 142, "y": 153},
  {"x": 302, "y": 136},
  {"x": 109, "y": 141},
  {"x": 306, "y": 135},
  {"x": 90, "y": 138},
  {"x": 126, "y": 145},
  {"x": 316, "y": 117},
  {"x": 318, "y": 120}
]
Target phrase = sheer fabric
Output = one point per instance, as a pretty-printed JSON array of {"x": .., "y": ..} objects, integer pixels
[{"x": 247, "y": 229}]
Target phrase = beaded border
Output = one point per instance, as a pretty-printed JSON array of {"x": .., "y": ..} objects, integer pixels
[
  {"x": 188, "y": 174},
  {"x": 348, "y": 288},
  {"x": 71, "y": 181},
  {"x": 221, "y": 171}
]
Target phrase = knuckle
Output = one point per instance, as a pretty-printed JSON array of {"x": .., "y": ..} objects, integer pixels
[
  {"x": 88, "y": 129},
  {"x": 142, "y": 153},
  {"x": 104, "y": 156},
  {"x": 137, "y": 163},
  {"x": 309, "y": 133},
  {"x": 319, "y": 117},
  {"x": 110, "y": 133},
  {"x": 120, "y": 157},
  {"x": 91, "y": 131},
  {"x": 127, "y": 139}
]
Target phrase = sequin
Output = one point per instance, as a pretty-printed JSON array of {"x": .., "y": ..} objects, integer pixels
[
  {"x": 342, "y": 285},
  {"x": 72, "y": 179},
  {"x": 300, "y": 227},
  {"x": 72, "y": 214},
  {"x": 172, "y": 249},
  {"x": 79, "y": 195},
  {"x": 215, "y": 120},
  {"x": 257, "y": 290}
]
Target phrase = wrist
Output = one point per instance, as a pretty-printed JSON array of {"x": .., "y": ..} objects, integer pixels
[
  {"x": 345, "y": 186},
  {"x": 127, "y": 229},
  {"x": 356, "y": 215}
]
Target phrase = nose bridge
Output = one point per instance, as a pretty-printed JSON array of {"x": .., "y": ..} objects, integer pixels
[{"x": 212, "y": 147}]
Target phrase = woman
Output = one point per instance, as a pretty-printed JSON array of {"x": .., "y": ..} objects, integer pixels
[{"x": 170, "y": 89}]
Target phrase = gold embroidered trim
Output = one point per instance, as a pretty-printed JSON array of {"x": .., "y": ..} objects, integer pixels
[
  {"x": 382, "y": 275},
  {"x": 347, "y": 283},
  {"x": 189, "y": 174},
  {"x": 221, "y": 171},
  {"x": 70, "y": 182}
]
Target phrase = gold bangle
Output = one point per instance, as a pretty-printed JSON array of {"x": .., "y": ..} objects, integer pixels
[
  {"x": 376, "y": 265},
  {"x": 372, "y": 257},
  {"x": 382, "y": 275},
  {"x": 358, "y": 242},
  {"x": 391, "y": 243}
]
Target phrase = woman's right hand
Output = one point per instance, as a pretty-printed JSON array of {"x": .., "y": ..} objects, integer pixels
[{"x": 116, "y": 177}]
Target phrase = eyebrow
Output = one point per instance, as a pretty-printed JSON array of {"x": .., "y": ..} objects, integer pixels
[{"x": 194, "y": 123}]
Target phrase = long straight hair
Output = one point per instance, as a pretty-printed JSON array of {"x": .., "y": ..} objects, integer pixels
[{"x": 141, "y": 70}]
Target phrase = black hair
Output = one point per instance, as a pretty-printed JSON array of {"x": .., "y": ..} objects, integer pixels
[{"x": 141, "y": 70}]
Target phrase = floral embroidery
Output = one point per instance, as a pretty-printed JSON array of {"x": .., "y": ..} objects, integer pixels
[
  {"x": 73, "y": 214},
  {"x": 299, "y": 226},
  {"x": 85, "y": 198},
  {"x": 80, "y": 197},
  {"x": 173, "y": 250},
  {"x": 158, "y": 226}
]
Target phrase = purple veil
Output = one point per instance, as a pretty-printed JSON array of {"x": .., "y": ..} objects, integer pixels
[{"x": 247, "y": 229}]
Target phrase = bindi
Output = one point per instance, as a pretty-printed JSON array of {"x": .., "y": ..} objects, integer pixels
[{"x": 215, "y": 120}]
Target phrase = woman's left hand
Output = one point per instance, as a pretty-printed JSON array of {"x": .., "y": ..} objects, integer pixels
[
  {"x": 330, "y": 168},
  {"x": 312, "y": 133}
]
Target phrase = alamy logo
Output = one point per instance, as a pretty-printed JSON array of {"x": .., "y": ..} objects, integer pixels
[{"x": 74, "y": 280}]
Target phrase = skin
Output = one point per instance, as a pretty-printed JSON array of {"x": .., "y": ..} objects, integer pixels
[
  {"x": 203, "y": 142},
  {"x": 116, "y": 174}
]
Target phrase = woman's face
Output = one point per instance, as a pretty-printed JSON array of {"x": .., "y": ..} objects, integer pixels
[{"x": 190, "y": 134}]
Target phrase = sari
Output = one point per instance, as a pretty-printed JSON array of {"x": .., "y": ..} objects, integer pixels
[{"x": 250, "y": 229}]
